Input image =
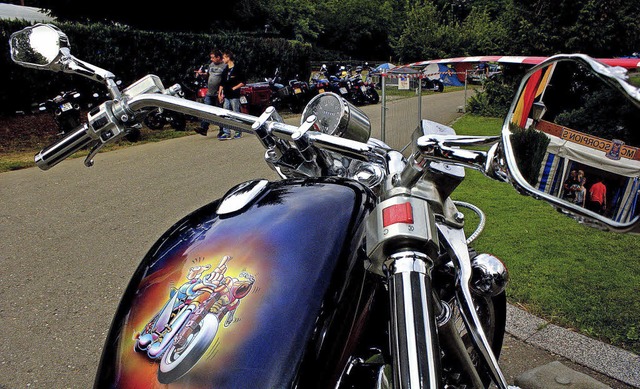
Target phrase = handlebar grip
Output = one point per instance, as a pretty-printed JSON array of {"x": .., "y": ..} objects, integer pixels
[{"x": 58, "y": 151}]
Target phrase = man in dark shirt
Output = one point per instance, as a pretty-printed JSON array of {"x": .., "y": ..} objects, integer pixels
[
  {"x": 233, "y": 78},
  {"x": 568, "y": 186}
]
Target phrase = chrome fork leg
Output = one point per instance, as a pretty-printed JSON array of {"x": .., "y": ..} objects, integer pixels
[
  {"x": 414, "y": 339},
  {"x": 455, "y": 240}
]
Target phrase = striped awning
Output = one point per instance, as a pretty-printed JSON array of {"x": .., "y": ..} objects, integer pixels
[{"x": 627, "y": 63}]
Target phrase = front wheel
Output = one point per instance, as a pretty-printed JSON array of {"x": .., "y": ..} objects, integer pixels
[
  {"x": 176, "y": 363},
  {"x": 178, "y": 121},
  {"x": 372, "y": 96}
]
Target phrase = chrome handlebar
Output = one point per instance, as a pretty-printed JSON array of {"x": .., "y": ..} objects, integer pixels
[
  {"x": 111, "y": 120},
  {"x": 291, "y": 150},
  {"x": 60, "y": 150}
]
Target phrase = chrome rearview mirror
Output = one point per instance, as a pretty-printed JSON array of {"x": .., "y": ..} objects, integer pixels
[
  {"x": 38, "y": 46},
  {"x": 572, "y": 138},
  {"x": 44, "y": 46}
]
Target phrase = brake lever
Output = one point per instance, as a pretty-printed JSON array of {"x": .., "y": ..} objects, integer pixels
[{"x": 88, "y": 162}]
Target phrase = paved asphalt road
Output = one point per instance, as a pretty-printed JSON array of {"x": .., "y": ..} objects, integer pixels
[{"x": 72, "y": 236}]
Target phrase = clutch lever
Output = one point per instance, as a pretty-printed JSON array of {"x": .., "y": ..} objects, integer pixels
[{"x": 446, "y": 148}]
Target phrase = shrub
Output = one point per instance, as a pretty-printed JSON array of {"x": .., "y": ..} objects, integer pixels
[{"x": 130, "y": 54}]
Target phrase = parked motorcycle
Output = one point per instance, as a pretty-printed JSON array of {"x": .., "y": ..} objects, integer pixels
[
  {"x": 340, "y": 86},
  {"x": 68, "y": 106},
  {"x": 158, "y": 118},
  {"x": 362, "y": 92},
  {"x": 256, "y": 97},
  {"x": 300, "y": 95},
  {"x": 352, "y": 87},
  {"x": 433, "y": 85},
  {"x": 65, "y": 108},
  {"x": 354, "y": 270},
  {"x": 195, "y": 84},
  {"x": 318, "y": 84}
]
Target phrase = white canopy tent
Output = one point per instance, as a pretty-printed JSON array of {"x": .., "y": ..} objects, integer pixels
[{"x": 563, "y": 154}]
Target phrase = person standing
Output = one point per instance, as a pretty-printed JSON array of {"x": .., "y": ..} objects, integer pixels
[
  {"x": 569, "y": 185},
  {"x": 233, "y": 78},
  {"x": 581, "y": 190},
  {"x": 597, "y": 197},
  {"x": 215, "y": 70}
]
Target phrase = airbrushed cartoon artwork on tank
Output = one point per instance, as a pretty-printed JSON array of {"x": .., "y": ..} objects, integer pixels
[
  {"x": 230, "y": 301},
  {"x": 182, "y": 331}
]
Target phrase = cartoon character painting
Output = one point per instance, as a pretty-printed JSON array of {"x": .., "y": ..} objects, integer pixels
[{"x": 181, "y": 332}]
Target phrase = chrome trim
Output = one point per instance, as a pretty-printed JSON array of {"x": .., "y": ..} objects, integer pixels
[
  {"x": 489, "y": 275},
  {"x": 455, "y": 241},
  {"x": 383, "y": 241},
  {"x": 446, "y": 148},
  {"x": 240, "y": 196},
  {"x": 616, "y": 79},
  {"x": 414, "y": 339}
]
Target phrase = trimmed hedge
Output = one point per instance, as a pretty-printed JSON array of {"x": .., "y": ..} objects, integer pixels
[{"x": 131, "y": 54}]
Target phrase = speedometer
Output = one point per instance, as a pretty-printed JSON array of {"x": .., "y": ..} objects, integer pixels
[{"x": 336, "y": 116}]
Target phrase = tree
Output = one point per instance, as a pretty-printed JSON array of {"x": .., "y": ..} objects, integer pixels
[
  {"x": 357, "y": 27},
  {"x": 600, "y": 28},
  {"x": 245, "y": 15},
  {"x": 409, "y": 29},
  {"x": 481, "y": 35},
  {"x": 295, "y": 19},
  {"x": 422, "y": 35}
]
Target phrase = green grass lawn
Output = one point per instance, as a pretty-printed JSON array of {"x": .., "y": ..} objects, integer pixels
[
  {"x": 570, "y": 274},
  {"x": 634, "y": 78}
]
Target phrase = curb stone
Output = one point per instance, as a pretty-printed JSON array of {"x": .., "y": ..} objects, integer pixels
[{"x": 609, "y": 360}]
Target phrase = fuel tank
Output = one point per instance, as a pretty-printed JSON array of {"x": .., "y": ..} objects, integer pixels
[{"x": 256, "y": 290}]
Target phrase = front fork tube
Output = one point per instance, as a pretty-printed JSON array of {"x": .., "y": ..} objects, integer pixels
[
  {"x": 414, "y": 337},
  {"x": 455, "y": 241}
]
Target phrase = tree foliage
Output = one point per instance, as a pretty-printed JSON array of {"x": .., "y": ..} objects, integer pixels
[{"x": 404, "y": 29}]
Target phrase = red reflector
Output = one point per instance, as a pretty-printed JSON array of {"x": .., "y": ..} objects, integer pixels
[{"x": 398, "y": 213}]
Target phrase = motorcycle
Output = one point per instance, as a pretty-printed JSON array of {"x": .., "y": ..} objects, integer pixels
[
  {"x": 256, "y": 97},
  {"x": 167, "y": 336},
  {"x": 159, "y": 117},
  {"x": 340, "y": 86},
  {"x": 67, "y": 107},
  {"x": 365, "y": 277},
  {"x": 318, "y": 85},
  {"x": 66, "y": 110},
  {"x": 351, "y": 86},
  {"x": 362, "y": 92},
  {"x": 200, "y": 84},
  {"x": 195, "y": 84},
  {"x": 300, "y": 95},
  {"x": 432, "y": 85}
]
